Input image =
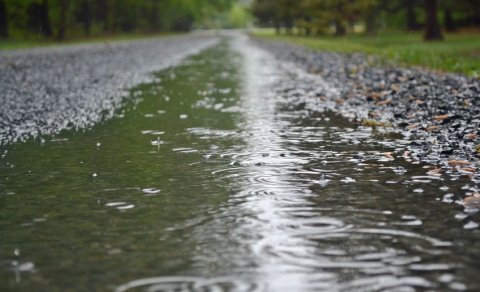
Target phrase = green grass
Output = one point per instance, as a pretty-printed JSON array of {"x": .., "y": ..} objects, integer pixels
[
  {"x": 18, "y": 44},
  {"x": 458, "y": 53}
]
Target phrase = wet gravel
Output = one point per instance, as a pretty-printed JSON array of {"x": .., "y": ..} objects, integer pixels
[
  {"x": 47, "y": 90},
  {"x": 438, "y": 112}
]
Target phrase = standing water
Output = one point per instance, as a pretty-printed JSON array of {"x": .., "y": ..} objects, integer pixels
[{"x": 214, "y": 179}]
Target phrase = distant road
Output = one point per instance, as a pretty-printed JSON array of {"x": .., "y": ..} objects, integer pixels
[{"x": 46, "y": 90}]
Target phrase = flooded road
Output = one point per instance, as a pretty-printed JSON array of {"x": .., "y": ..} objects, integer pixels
[{"x": 226, "y": 174}]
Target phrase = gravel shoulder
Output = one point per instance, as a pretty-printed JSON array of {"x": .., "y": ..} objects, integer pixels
[
  {"x": 44, "y": 91},
  {"x": 438, "y": 112}
]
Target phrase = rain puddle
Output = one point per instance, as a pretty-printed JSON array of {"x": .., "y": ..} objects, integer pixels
[{"x": 228, "y": 175}]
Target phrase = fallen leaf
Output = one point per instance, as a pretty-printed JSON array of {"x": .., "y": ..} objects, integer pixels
[
  {"x": 375, "y": 95},
  {"x": 458, "y": 162},
  {"x": 473, "y": 199},
  {"x": 432, "y": 128},
  {"x": 410, "y": 127},
  {"x": 395, "y": 88},
  {"x": 471, "y": 136},
  {"x": 388, "y": 155},
  {"x": 440, "y": 117},
  {"x": 435, "y": 172},
  {"x": 384, "y": 102}
]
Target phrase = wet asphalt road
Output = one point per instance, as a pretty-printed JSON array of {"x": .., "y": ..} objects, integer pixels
[{"x": 46, "y": 90}]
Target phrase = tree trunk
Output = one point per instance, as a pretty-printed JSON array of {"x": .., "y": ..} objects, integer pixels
[
  {"x": 111, "y": 16},
  {"x": 288, "y": 27},
  {"x": 449, "y": 22},
  {"x": 412, "y": 23},
  {"x": 340, "y": 29},
  {"x": 45, "y": 26},
  {"x": 277, "y": 27},
  {"x": 371, "y": 23},
  {"x": 3, "y": 20},
  {"x": 62, "y": 20},
  {"x": 432, "y": 27},
  {"x": 86, "y": 17}
]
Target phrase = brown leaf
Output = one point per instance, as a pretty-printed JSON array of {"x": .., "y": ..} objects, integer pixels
[
  {"x": 440, "y": 117},
  {"x": 410, "y": 127},
  {"x": 435, "y": 171},
  {"x": 473, "y": 199},
  {"x": 388, "y": 155},
  {"x": 395, "y": 88},
  {"x": 432, "y": 128},
  {"x": 458, "y": 162},
  {"x": 471, "y": 136},
  {"x": 384, "y": 102},
  {"x": 375, "y": 95}
]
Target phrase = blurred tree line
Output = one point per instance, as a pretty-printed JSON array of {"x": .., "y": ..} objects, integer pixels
[
  {"x": 341, "y": 17},
  {"x": 60, "y": 19}
]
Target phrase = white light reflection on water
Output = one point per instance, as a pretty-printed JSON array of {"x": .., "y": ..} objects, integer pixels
[{"x": 270, "y": 190}]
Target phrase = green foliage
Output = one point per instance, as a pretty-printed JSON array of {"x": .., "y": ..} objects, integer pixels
[
  {"x": 238, "y": 16},
  {"x": 77, "y": 18},
  {"x": 341, "y": 17}
]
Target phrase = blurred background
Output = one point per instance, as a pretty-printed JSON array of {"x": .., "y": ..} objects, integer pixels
[
  {"x": 67, "y": 19},
  {"x": 396, "y": 29}
]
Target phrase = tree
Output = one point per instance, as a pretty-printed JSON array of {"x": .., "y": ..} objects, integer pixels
[
  {"x": 266, "y": 12},
  {"x": 432, "y": 27},
  {"x": 84, "y": 16},
  {"x": 3, "y": 20},
  {"x": 412, "y": 23},
  {"x": 369, "y": 9},
  {"x": 62, "y": 23},
  {"x": 39, "y": 18}
]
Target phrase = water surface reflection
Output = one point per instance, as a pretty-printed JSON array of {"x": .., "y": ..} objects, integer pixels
[{"x": 231, "y": 174}]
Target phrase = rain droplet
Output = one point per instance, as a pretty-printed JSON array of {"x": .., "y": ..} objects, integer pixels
[
  {"x": 470, "y": 225},
  {"x": 115, "y": 204},
  {"x": 126, "y": 207},
  {"x": 151, "y": 191},
  {"x": 348, "y": 180}
]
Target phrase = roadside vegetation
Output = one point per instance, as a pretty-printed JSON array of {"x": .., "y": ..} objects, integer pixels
[
  {"x": 459, "y": 52},
  {"x": 31, "y": 23},
  {"x": 441, "y": 35}
]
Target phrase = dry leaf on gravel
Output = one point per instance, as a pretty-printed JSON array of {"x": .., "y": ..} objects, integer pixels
[
  {"x": 440, "y": 117},
  {"x": 458, "y": 162}
]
